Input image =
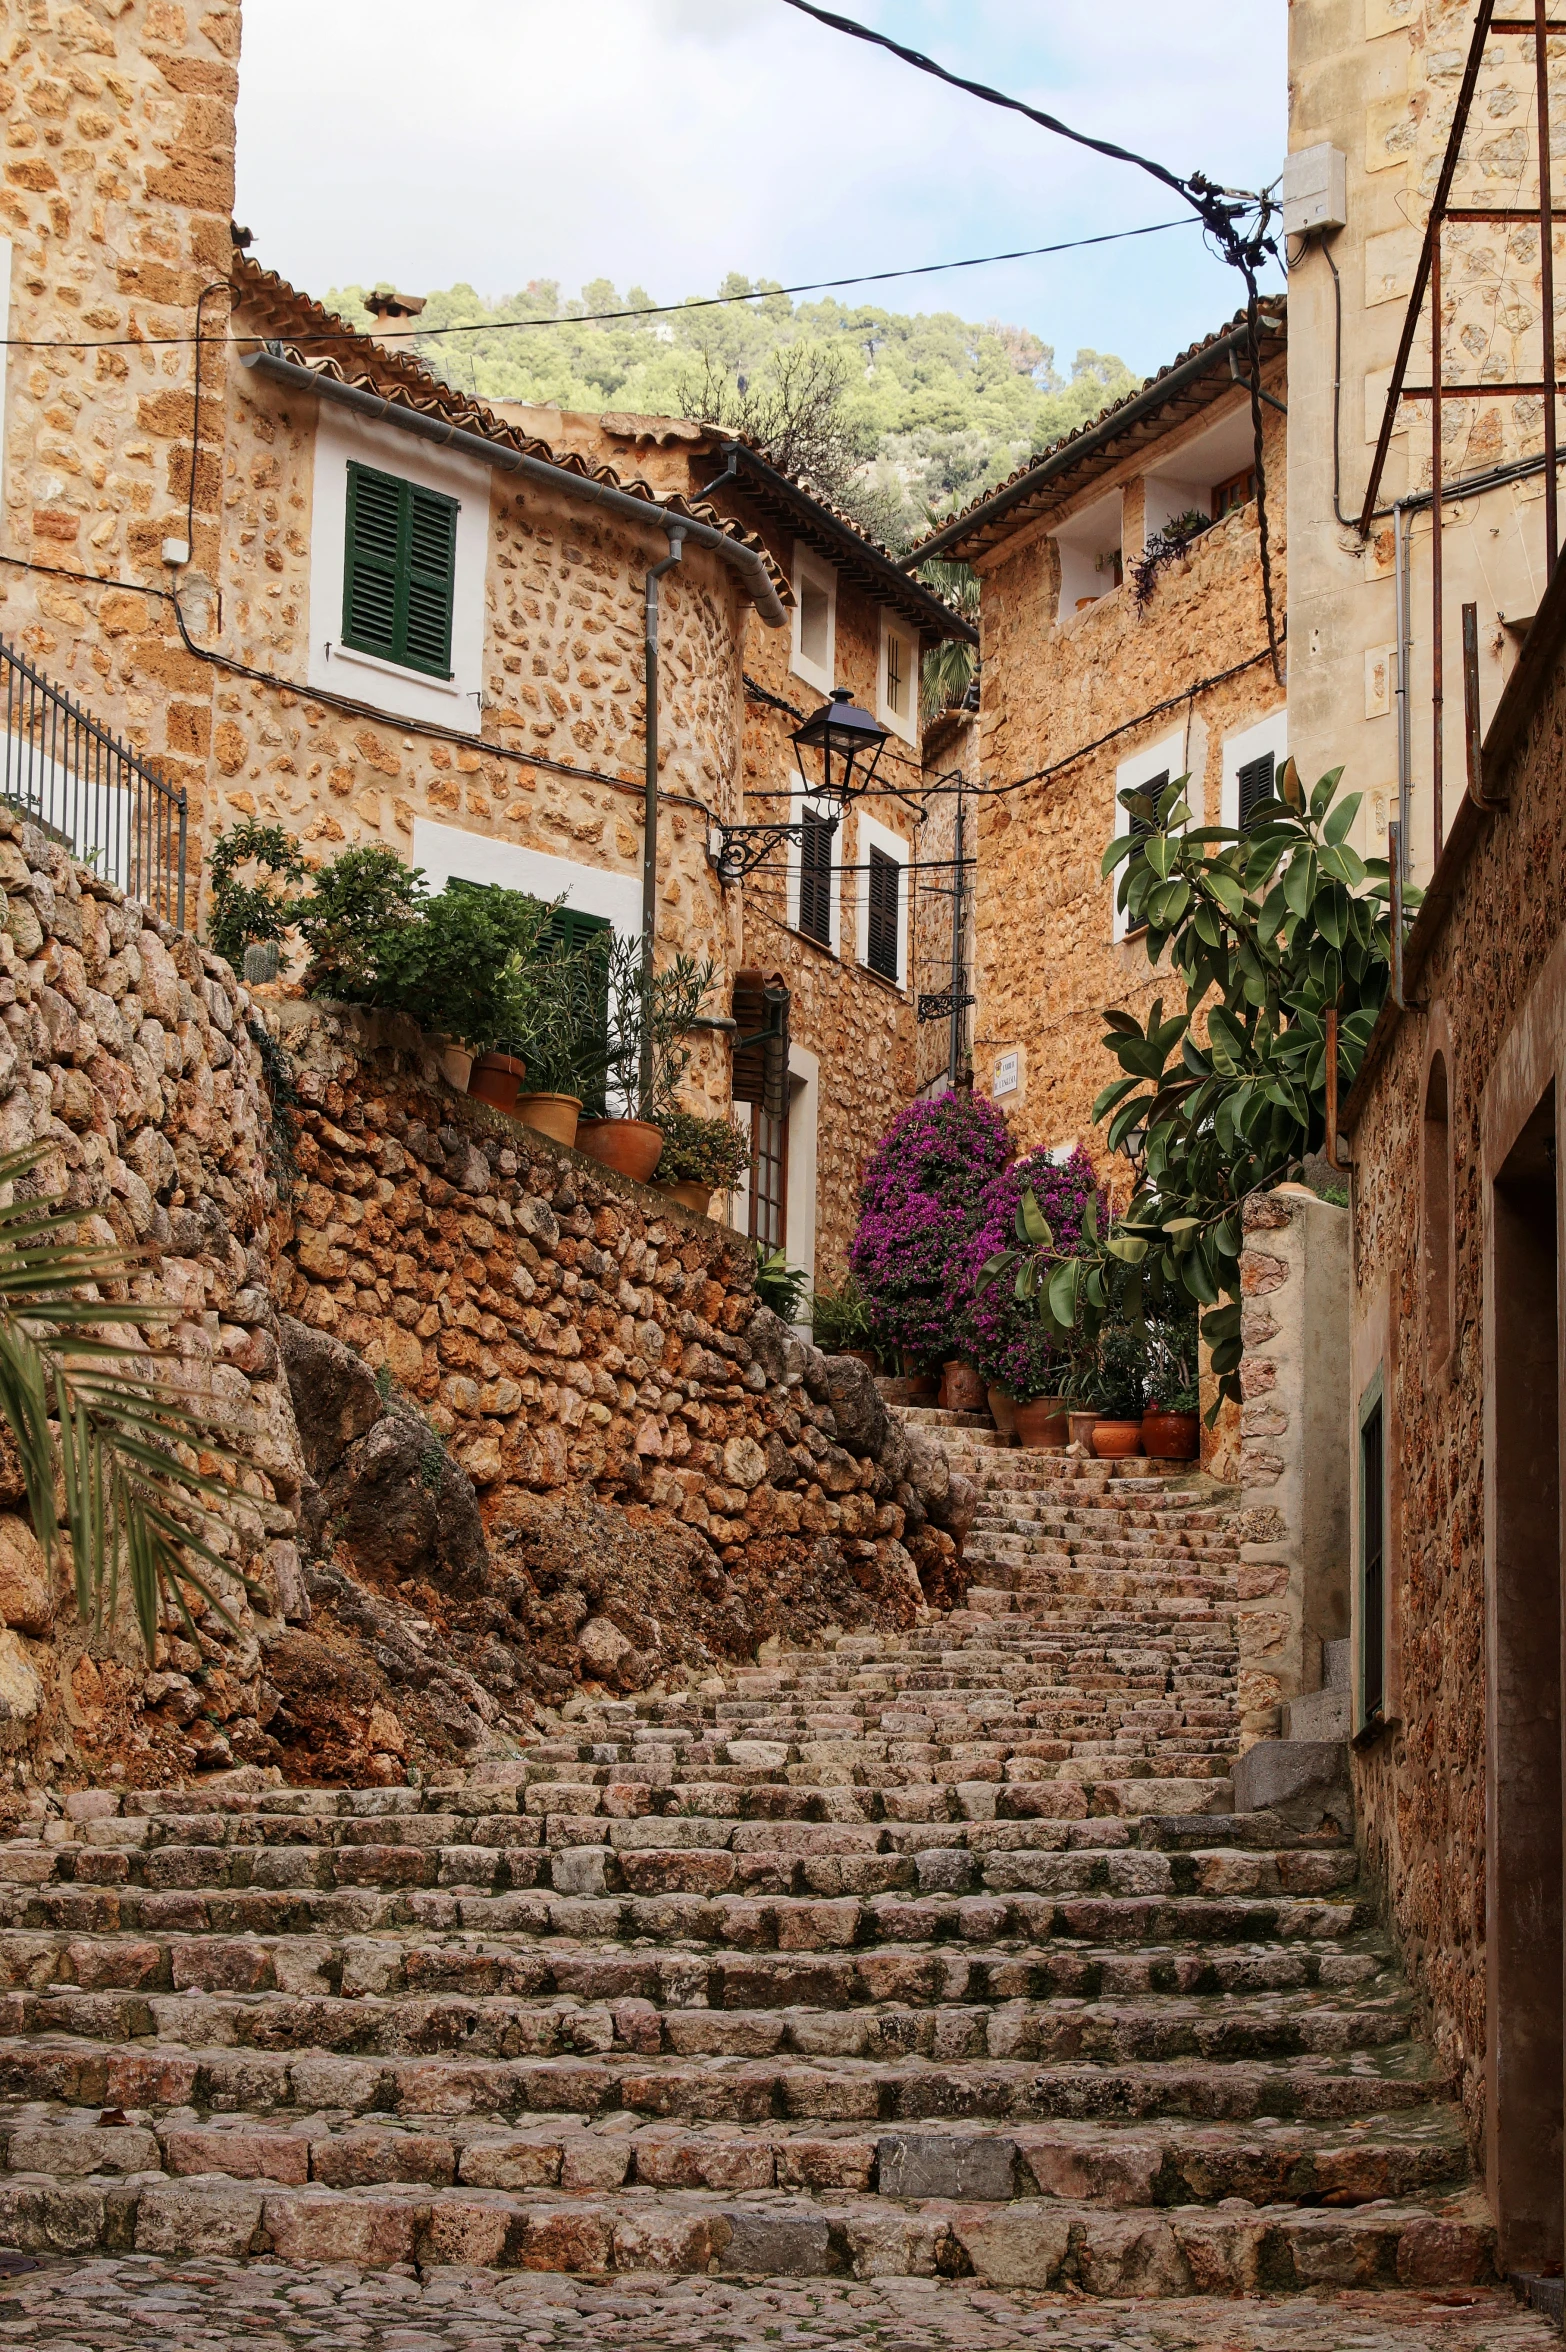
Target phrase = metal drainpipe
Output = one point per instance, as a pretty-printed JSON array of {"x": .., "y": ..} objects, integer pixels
[
  {"x": 1402, "y": 564},
  {"x": 655, "y": 573}
]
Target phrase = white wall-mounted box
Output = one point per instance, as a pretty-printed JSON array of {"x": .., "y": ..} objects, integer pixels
[{"x": 1315, "y": 190}]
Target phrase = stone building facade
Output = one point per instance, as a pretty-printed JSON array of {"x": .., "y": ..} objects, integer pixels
[
  {"x": 1455, "y": 1416},
  {"x": 198, "y": 604},
  {"x": 1087, "y": 692},
  {"x": 1376, "y": 86}
]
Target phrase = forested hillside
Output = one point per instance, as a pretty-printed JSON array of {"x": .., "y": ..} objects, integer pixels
[{"x": 923, "y": 410}]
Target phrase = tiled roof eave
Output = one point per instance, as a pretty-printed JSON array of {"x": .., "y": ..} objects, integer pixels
[{"x": 315, "y": 338}]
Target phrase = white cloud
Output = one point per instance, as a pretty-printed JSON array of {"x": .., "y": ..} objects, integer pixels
[{"x": 663, "y": 142}]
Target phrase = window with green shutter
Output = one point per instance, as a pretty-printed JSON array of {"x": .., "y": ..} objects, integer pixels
[
  {"x": 882, "y": 910},
  {"x": 398, "y": 571}
]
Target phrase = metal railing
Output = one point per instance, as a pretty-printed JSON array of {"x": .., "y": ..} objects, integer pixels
[{"x": 62, "y": 768}]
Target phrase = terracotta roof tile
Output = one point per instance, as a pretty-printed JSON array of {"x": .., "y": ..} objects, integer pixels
[{"x": 321, "y": 340}]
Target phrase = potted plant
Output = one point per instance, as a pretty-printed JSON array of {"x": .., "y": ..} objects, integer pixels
[
  {"x": 255, "y": 914},
  {"x": 1118, "y": 1392},
  {"x": 779, "y": 1285},
  {"x": 700, "y": 1157},
  {"x": 840, "y": 1323},
  {"x": 1171, "y": 1421},
  {"x": 921, "y": 1199},
  {"x": 559, "y": 1022},
  {"x": 1022, "y": 1364},
  {"x": 648, "y": 1060},
  {"x": 962, "y": 1388}
]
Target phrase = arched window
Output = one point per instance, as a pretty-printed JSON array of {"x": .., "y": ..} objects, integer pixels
[{"x": 1436, "y": 1237}]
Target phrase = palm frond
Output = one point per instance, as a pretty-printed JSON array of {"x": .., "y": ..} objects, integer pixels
[{"x": 110, "y": 1441}]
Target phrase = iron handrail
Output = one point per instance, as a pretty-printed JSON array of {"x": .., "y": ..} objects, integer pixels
[{"x": 100, "y": 800}]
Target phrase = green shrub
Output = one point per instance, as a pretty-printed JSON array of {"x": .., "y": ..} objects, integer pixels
[
  {"x": 779, "y": 1285},
  {"x": 246, "y": 913},
  {"x": 701, "y": 1151},
  {"x": 840, "y": 1319},
  {"x": 358, "y": 901}
]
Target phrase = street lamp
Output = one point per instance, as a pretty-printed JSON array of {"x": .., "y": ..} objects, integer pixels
[
  {"x": 849, "y": 743},
  {"x": 840, "y": 731}
]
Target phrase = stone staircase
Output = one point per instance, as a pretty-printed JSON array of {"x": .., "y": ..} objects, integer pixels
[{"x": 939, "y": 1955}]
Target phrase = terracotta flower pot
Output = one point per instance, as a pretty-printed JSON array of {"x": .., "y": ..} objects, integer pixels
[
  {"x": 1171, "y": 1437},
  {"x": 1041, "y": 1422},
  {"x": 918, "y": 1388},
  {"x": 1116, "y": 1441},
  {"x": 696, "y": 1197},
  {"x": 495, "y": 1079},
  {"x": 1003, "y": 1412},
  {"x": 629, "y": 1146},
  {"x": 866, "y": 1356},
  {"x": 456, "y": 1063},
  {"x": 554, "y": 1115},
  {"x": 962, "y": 1391}
]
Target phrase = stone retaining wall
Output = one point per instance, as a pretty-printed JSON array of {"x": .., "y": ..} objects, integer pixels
[{"x": 564, "y": 1330}]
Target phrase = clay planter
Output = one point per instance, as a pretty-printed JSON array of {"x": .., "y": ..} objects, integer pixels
[
  {"x": 1116, "y": 1441},
  {"x": 690, "y": 1195},
  {"x": 456, "y": 1063},
  {"x": 1041, "y": 1422},
  {"x": 1081, "y": 1427},
  {"x": 1003, "y": 1412},
  {"x": 495, "y": 1079},
  {"x": 629, "y": 1146},
  {"x": 866, "y": 1356},
  {"x": 962, "y": 1391},
  {"x": 554, "y": 1115},
  {"x": 1171, "y": 1437}
]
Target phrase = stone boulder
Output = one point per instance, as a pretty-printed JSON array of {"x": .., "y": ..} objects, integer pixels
[
  {"x": 335, "y": 1397},
  {"x": 863, "y": 1423},
  {"x": 400, "y": 1502}
]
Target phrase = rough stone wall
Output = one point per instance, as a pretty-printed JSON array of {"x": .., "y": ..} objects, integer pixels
[
  {"x": 124, "y": 1050},
  {"x": 1293, "y": 1465},
  {"x": 1420, "y": 1788},
  {"x": 860, "y": 1027},
  {"x": 563, "y": 677},
  {"x": 117, "y": 193},
  {"x": 1047, "y": 961},
  {"x": 564, "y": 1331},
  {"x": 1380, "y": 82}
]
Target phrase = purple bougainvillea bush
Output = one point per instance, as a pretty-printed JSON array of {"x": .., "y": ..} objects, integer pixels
[
  {"x": 996, "y": 1331},
  {"x": 921, "y": 1201}
]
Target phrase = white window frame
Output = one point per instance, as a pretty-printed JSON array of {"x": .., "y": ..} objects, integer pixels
[
  {"x": 873, "y": 835},
  {"x": 799, "y": 801},
  {"x": 1268, "y": 734},
  {"x": 905, "y": 723},
  {"x": 808, "y": 565},
  {"x": 1080, "y": 541},
  {"x": 368, "y": 677},
  {"x": 1139, "y": 769}
]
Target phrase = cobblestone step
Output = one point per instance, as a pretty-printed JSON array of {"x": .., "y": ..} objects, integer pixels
[{"x": 920, "y": 1955}]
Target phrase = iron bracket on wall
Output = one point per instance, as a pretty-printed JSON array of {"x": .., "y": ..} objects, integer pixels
[
  {"x": 941, "y": 1005},
  {"x": 737, "y": 850}
]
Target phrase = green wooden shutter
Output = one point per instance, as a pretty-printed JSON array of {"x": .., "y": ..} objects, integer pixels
[
  {"x": 884, "y": 898},
  {"x": 398, "y": 571},
  {"x": 815, "y": 877},
  {"x": 1255, "y": 779}
]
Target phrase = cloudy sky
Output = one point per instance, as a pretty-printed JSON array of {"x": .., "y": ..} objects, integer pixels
[{"x": 664, "y": 142}]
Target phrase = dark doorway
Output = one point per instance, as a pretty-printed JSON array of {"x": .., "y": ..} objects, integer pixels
[{"x": 1527, "y": 1981}]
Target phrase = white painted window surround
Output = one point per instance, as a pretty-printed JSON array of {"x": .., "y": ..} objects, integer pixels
[
  {"x": 813, "y": 623},
  {"x": 902, "y": 646},
  {"x": 1088, "y": 541},
  {"x": 448, "y": 853},
  {"x": 401, "y": 693},
  {"x": 804, "y": 1089},
  {"x": 872, "y": 835},
  {"x": 1269, "y": 734},
  {"x": 1168, "y": 754}
]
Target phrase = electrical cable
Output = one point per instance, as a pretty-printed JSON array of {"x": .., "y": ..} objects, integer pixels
[
  {"x": 1171, "y": 702},
  {"x": 598, "y": 318},
  {"x": 1220, "y": 210}
]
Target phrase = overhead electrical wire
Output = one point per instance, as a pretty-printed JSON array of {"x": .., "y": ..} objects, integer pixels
[
  {"x": 592, "y": 318},
  {"x": 1237, "y": 222}
]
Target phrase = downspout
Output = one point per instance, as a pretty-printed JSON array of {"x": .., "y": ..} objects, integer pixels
[
  {"x": 655, "y": 573},
  {"x": 1398, "y": 833}
]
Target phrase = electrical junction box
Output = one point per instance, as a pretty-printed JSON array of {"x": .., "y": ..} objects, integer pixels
[{"x": 1315, "y": 190}]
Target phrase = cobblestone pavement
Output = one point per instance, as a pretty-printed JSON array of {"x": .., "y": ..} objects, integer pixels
[{"x": 184, "y": 2306}]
